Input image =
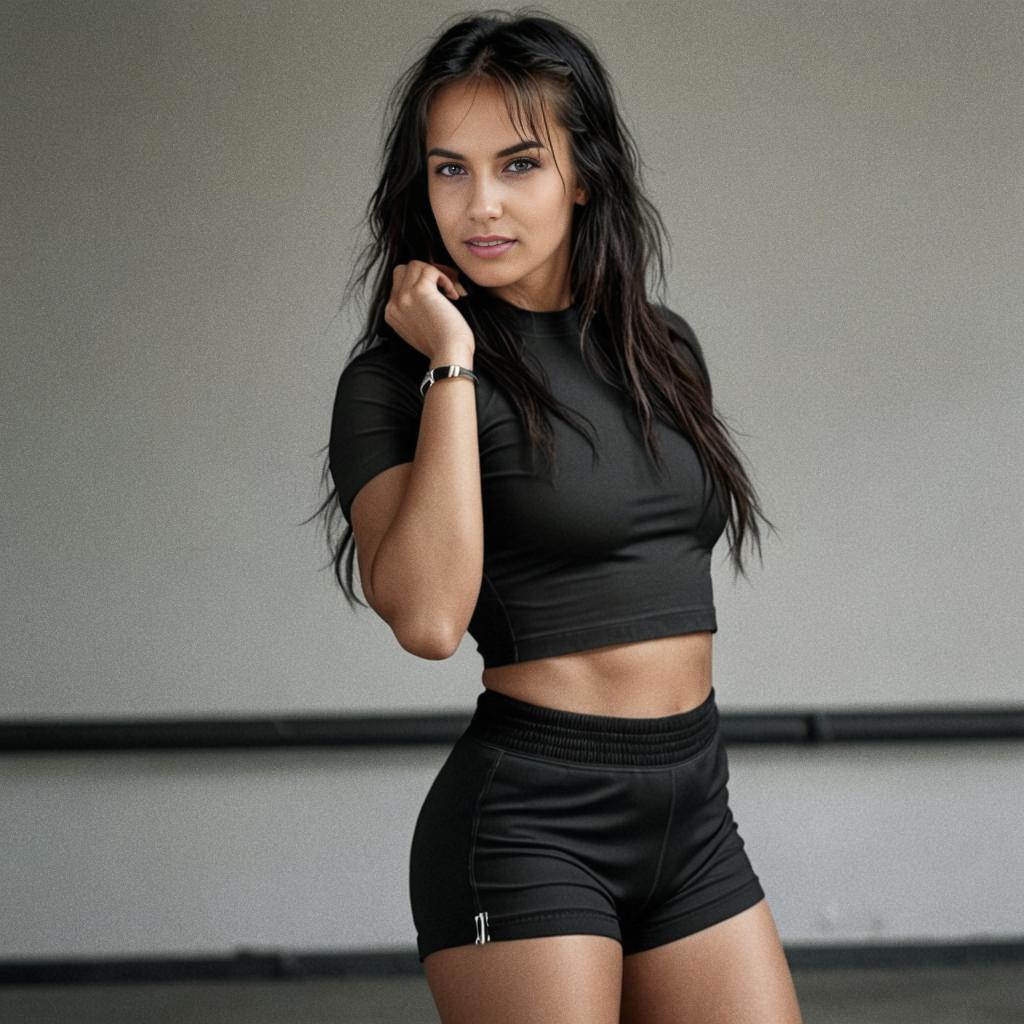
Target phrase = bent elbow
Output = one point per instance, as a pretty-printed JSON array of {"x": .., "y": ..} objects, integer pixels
[{"x": 430, "y": 641}]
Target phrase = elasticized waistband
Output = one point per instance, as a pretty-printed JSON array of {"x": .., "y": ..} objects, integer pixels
[{"x": 592, "y": 739}]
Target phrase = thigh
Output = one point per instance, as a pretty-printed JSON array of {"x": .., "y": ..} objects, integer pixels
[
  {"x": 705, "y": 875},
  {"x": 733, "y": 972},
  {"x": 444, "y": 899},
  {"x": 509, "y": 848},
  {"x": 557, "y": 979}
]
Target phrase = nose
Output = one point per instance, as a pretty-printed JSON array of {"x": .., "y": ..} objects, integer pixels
[{"x": 485, "y": 201}]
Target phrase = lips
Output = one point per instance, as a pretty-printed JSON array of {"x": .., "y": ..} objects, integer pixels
[{"x": 485, "y": 250}]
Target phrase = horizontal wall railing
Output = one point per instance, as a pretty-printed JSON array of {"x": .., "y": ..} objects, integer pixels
[
  {"x": 267, "y": 964},
  {"x": 793, "y": 727}
]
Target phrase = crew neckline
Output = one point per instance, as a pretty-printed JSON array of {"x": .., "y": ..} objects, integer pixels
[{"x": 541, "y": 322}]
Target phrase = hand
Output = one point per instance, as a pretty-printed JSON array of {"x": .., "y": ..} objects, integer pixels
[{"x": 421, "y": 308}]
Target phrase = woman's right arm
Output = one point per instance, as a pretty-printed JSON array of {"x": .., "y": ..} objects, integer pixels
[{"x": 425, "y": 566}]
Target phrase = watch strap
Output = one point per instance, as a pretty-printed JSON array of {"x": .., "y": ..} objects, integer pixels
[{"x": 436, "y": 373}]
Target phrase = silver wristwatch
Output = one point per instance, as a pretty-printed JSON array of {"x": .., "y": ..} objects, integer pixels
[{"x": 440, "y": 372}]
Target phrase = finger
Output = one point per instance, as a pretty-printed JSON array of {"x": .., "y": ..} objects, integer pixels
[
  {"x": 441, "y": 280},
  {"x": 445, "y": 268},
  {"x": 452, "y": 273},
  {"x": 449, "y": 289}
]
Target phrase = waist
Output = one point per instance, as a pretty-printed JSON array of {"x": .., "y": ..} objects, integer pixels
[
  {"x": 571, "y": 736},
  {"x": 653, "y": 677}
]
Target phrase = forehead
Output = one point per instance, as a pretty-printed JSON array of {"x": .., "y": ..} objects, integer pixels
[{"x": 473, "y": 118}]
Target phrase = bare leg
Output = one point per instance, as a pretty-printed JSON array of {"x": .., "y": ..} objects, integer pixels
[
  {"x": 554, "y": 979},
  {"x": 734, "y": 972}
]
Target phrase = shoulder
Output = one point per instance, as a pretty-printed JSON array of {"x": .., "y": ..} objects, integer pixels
[
  {"x": 681, "y": 328},
  {"x": 386, "y": 354},
  {"x": 389, "y": 366}
]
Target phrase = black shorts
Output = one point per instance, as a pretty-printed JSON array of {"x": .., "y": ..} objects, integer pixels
[{"x": 549, "y": 822}]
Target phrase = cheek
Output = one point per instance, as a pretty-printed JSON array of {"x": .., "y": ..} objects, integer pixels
[
  {"x": 551, "y": 207},
  {"x": 440, "y": 207}
]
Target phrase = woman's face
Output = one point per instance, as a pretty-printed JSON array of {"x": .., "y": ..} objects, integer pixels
[{"x": 519, "y": 195}]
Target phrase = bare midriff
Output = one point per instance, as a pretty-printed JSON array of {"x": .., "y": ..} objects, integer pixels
[{"x": 643, "y": 679}]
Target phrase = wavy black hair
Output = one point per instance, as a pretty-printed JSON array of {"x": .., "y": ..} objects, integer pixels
[{"x": 546, "y": 69}]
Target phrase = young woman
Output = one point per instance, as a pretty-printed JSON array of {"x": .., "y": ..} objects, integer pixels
[{"x": 575, "y": 859}]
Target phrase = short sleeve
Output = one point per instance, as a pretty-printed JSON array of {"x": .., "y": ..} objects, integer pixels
[
  {"x": 686, "y": 332},
  {"x": 375, "y": 424}
]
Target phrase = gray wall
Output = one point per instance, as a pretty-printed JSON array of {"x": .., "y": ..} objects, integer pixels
[{"x": 843, "y": 183}]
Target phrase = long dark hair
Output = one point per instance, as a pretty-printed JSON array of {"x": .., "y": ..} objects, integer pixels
[{"x": 542, "y": 65}]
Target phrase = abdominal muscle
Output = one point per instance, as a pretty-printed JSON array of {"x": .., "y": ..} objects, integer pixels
[{"x": 643, "y": 679}]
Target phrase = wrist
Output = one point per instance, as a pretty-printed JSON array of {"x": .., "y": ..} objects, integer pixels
[
  {"x": 460, "y": 355},
  {"x": 444, "y": 372}
]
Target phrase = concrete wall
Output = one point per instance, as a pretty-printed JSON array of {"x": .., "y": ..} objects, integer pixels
[{"x": 182, "y": 185}]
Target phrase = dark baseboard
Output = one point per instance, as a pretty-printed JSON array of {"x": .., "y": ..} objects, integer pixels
[
  {"x": 261, "y": 966},
  {"x": 794, "y": 727}
]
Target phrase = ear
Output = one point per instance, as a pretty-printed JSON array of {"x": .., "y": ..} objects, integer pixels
[{"x": 581, "y": 196}]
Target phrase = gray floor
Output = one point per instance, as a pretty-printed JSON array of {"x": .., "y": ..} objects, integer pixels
[{"x": 946, "y": 995}]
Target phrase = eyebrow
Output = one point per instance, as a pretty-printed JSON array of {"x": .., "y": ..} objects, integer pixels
[{"x": 507, "y": 151}]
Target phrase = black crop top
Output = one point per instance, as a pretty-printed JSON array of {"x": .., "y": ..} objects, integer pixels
[{"x": 605, "y": 554}]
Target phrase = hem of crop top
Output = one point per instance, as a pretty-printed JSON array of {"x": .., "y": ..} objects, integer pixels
[{"x": 693, "y": 619}]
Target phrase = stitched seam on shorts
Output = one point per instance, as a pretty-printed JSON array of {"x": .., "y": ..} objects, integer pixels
[
  {"x": 582, "y": 912},
  {"x": 476, "y": 824},
  {"x": 664, "y": 844}
]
